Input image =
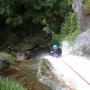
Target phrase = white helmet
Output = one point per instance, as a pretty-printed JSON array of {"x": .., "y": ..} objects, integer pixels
[{"x": 55, "y": 46}]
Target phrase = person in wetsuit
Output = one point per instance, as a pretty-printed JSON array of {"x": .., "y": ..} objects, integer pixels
[{"x": 56, "y": 50}]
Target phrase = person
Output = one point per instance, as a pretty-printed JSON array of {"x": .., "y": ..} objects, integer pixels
[{"x": 56, "y": 50}]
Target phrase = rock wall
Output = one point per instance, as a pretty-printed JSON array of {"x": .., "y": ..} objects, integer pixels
[
  {"x": 82, "y": 13},
  {"x": 82, "y": 45}
]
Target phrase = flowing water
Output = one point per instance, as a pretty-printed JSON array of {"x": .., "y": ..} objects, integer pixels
[
  {"x": 70, "y": 72},
  {"x": 26, "y": 74}
]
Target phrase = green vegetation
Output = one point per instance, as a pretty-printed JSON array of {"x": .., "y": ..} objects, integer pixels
[
  {"x": 6, "y": 84},
  {"x": 21, "y": 18},
  {"x": 86, "y": 4},
  {"x": 7, "y": 57},
  {"x": 69, "y": 29},
  {"x": 72, "y": 36}
]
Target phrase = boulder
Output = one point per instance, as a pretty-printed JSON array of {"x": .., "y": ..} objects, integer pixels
[{"x": 82, "y": 44}]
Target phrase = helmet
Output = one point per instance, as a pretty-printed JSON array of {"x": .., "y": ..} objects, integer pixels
[{"x": 55, "y": 46}]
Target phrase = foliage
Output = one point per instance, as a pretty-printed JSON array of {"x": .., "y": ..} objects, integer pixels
[
  {"x": 86, "y": 4},
  {"x": 17, "y": 12},
  {"x": 69, "y": 29},
  {"x": 20, "y": 18},
  {"x": 69, "y": 26},
  {"x": 69, "y": 2},
  {"x": 72, "y": 36},
  {"x": 7, "y": 57},
  {"x": 56, "y": 37},
  {"x": 6, "y": 84}
]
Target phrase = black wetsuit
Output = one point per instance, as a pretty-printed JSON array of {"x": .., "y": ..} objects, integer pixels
[{"x": 56, "y": 51}]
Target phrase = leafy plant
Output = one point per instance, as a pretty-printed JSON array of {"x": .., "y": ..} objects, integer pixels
[
  {"x": 72, "y": 36},
  {"x": 20, "y": 18},
  {"x": 86, "y": 4},
  {"x": 69, "y": 29},
  {"x": 6, "y": 84},
  {"x": 69, "y": 26}
]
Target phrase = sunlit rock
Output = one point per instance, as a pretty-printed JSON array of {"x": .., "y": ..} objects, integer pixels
[{"x": 82, "y": 44}]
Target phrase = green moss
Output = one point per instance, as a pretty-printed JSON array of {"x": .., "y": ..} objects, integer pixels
[
  {"x": 6, "y": 84},
  {"x": 7, "y": 57}
]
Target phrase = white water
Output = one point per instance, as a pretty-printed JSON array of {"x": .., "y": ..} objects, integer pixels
[{"x": 74, "y": 70}]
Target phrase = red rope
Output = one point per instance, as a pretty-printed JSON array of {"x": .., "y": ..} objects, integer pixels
[{"x": 77, "y": 73}]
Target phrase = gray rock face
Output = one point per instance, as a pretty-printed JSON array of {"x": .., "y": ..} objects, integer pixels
[
  {"x": 82, "y": 45},
  {"x": 83, "y": 20}
]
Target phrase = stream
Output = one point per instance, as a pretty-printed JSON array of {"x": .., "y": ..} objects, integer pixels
[
  {"x": 68, "y": 72},
  {"x": 26, "y": 73}
]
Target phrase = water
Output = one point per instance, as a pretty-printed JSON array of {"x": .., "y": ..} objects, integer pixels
[
  {"x": 70, "y": 71},
  {"x": 25, "y": 73}
]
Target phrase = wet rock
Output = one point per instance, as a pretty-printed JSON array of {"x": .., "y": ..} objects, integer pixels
[
  {"x": 82, "y": 44},
  {"x": 2, "y": 64},
  {"x": 34, "y": 41},
  {"x": 26, "y": 74},
  {"x": 46, "y": 75},
  {"x": 20, "y": 56}
]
